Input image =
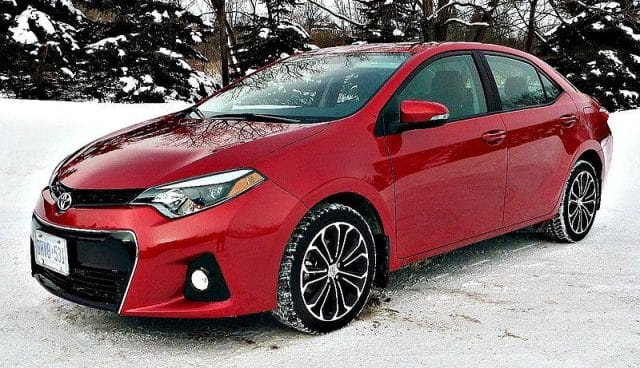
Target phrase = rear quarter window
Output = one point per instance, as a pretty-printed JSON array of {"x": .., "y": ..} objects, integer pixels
[{"x": 551, "y": 90}]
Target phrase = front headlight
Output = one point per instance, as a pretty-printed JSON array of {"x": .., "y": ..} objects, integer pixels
[{"x": 194, "y": 195}]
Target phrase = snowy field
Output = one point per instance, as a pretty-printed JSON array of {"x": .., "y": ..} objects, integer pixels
[{"x": 514, "y": 301}]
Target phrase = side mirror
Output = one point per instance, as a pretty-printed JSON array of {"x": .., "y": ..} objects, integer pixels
[{"x": 415, "y": 114}]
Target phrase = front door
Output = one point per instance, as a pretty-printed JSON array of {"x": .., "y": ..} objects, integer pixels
[{"x": 449, "y": 180}]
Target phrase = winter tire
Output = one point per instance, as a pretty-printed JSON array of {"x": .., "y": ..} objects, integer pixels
[
  {"x": 327, "y": 270},
  {"x": 579, "y": 205}
]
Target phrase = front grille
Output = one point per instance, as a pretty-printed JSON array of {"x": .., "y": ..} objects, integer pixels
[
  {"x": 100, "y": 266},
  {"x": 97, "y": 197}
]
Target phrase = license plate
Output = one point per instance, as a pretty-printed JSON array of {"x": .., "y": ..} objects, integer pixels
[{"x": 51, "y": 252}]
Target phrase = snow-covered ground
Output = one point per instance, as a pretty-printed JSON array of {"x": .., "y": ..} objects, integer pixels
[{"x": 514, "y": 301}]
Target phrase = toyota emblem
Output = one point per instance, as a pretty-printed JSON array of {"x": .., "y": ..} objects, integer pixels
[{"x": 64, "y": 201}]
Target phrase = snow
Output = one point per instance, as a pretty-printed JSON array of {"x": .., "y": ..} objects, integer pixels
[
  {"x": 514, "y": 301},
  {"x": 295, "y": 27},
  {"x": 106, "y": 42},
  {"x": 68, "y": 72},
  {"x": 22, "y": 32},
  {"x": 69, "y": 5},
  {"x": 611, "y": 55},
  {"x": 264, "y": 33},
  {"x": 157, "y": 16},
  {"x": 43, "y": 22},
  {"x": 467, "y": 23},
  {"x": 196, "y": 37},
  {"x": 169, "y": 53},
  {"x": 184, "y": 65},
  {"x": 629, "y": 94},
  {"x": 130, "y": 83},
  {"x": 630, "y": 32}
]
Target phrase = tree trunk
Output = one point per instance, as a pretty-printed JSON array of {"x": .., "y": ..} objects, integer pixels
[
  {"x": 224, "y": 42},
  {"x": 441, "y": 28},
  {"x": 427, "y": 11},
  {"x": 531, "y": 26},
  {"x": 484, "y": 16}
]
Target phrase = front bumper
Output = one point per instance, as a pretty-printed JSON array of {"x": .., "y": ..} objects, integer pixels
[{"x": 246, "y": 236}]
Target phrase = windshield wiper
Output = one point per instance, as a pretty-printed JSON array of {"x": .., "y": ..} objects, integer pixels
[
  {"x": 257, "y": 117},
  {"x": 196, "y": 110}
]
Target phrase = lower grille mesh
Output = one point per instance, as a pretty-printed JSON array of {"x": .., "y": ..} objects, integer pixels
[
  {"x": 101, "y": 286},
  {"x": 100, "y": 266}
]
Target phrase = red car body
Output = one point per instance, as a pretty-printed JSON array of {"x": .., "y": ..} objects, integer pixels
[{"x": 433, "y": 190}]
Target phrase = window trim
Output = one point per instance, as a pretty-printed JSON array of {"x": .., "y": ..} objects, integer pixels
[
  {"x": 486, "y": 81},
  {"x": 535, "y": 67}
]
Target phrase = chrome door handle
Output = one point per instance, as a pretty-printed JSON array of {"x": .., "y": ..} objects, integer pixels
[
  {"x": 494, "y": 137},
  {"x": 568, "y": 120}
]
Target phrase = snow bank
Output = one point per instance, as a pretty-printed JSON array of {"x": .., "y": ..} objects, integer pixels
[{"x": 513, "y": 301}]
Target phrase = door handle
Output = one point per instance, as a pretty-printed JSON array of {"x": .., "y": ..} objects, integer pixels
[
  {"x": 494, "y": 137},
  {"x": 568, "y": 120}
]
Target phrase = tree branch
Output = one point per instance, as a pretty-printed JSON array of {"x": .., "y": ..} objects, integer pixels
[{"x": 339, "y": 16}]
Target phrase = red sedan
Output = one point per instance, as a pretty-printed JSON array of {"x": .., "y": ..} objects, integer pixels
[{"x": 297, "y": 188}]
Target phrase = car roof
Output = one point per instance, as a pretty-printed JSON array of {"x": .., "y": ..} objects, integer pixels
[{"x": 414, "y": 47}]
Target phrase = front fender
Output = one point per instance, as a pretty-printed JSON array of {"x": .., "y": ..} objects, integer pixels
[{"x": 384, "y": 206}]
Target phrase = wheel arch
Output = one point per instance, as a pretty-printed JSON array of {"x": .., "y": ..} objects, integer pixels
[
  {"x": 367, "y": 201},
  {"x": 365, "y": 208},
  {"x": 593, "y": 157}
]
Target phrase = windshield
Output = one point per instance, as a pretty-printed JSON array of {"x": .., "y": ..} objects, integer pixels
[{"x": 308, "y": 88}]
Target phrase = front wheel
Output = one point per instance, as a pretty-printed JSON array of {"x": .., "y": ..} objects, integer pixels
[
  {"x": 579, "y": 205},
  {"x": 327, "y": 270}
]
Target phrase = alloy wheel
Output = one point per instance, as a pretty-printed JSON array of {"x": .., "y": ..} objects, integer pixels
[
  {"x": 582, "y": 202},
  {"x": 334, "y": 271}
]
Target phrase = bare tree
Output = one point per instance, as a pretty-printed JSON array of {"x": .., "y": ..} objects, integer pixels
[
  {"x": 438, "y": 15},
  {"x": 219, "y": 7},
  {"x": 310, "y": 16}
]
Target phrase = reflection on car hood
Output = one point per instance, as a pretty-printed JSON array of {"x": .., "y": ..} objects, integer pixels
[{"x": 172, "y": 148}]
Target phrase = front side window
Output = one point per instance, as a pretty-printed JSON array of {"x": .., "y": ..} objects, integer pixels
[
  {"x": 309, "y": 88},
  {"x": 518, "y": 82},
  {"x": 452, "y": 81}
]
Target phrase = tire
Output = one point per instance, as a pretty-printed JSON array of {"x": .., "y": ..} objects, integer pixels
[
  {"x": 580, "y": 201},
  {"x": 322, "y": 286}
]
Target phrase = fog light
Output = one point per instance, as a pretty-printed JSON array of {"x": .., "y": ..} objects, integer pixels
[{"x": 200, "y": 279}]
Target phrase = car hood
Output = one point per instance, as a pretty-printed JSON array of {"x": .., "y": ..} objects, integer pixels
[{"x": 173, "y": 148}]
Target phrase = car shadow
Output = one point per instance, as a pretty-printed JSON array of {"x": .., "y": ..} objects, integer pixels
[{"x": 262, "y": 330}]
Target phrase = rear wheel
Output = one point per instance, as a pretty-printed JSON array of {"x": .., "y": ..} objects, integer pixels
[
  {"x": 579, "y": 205},
  {"x": 327, "y": 270}
]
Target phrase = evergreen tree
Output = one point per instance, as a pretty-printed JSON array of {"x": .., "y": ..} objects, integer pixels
[
  {"x": 598, "y": 50},
  {"x": 38, "y": 44},
  {"x": 388, "y": 20},
  {"x": 141, "y": 52},
  {"x": 132, "y": 51},
  {"x": 271, "y": 37}
]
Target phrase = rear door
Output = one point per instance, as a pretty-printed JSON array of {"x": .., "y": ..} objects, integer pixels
[
  {"x": 449, "y": 180},
  {"x": 539, "y": 119}
]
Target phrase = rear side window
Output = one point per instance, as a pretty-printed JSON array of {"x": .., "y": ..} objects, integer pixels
[
  {"x": 551, "y": 90},
  {"x": 518, "y": 82},
  {"x": 452, "y": 81}
]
